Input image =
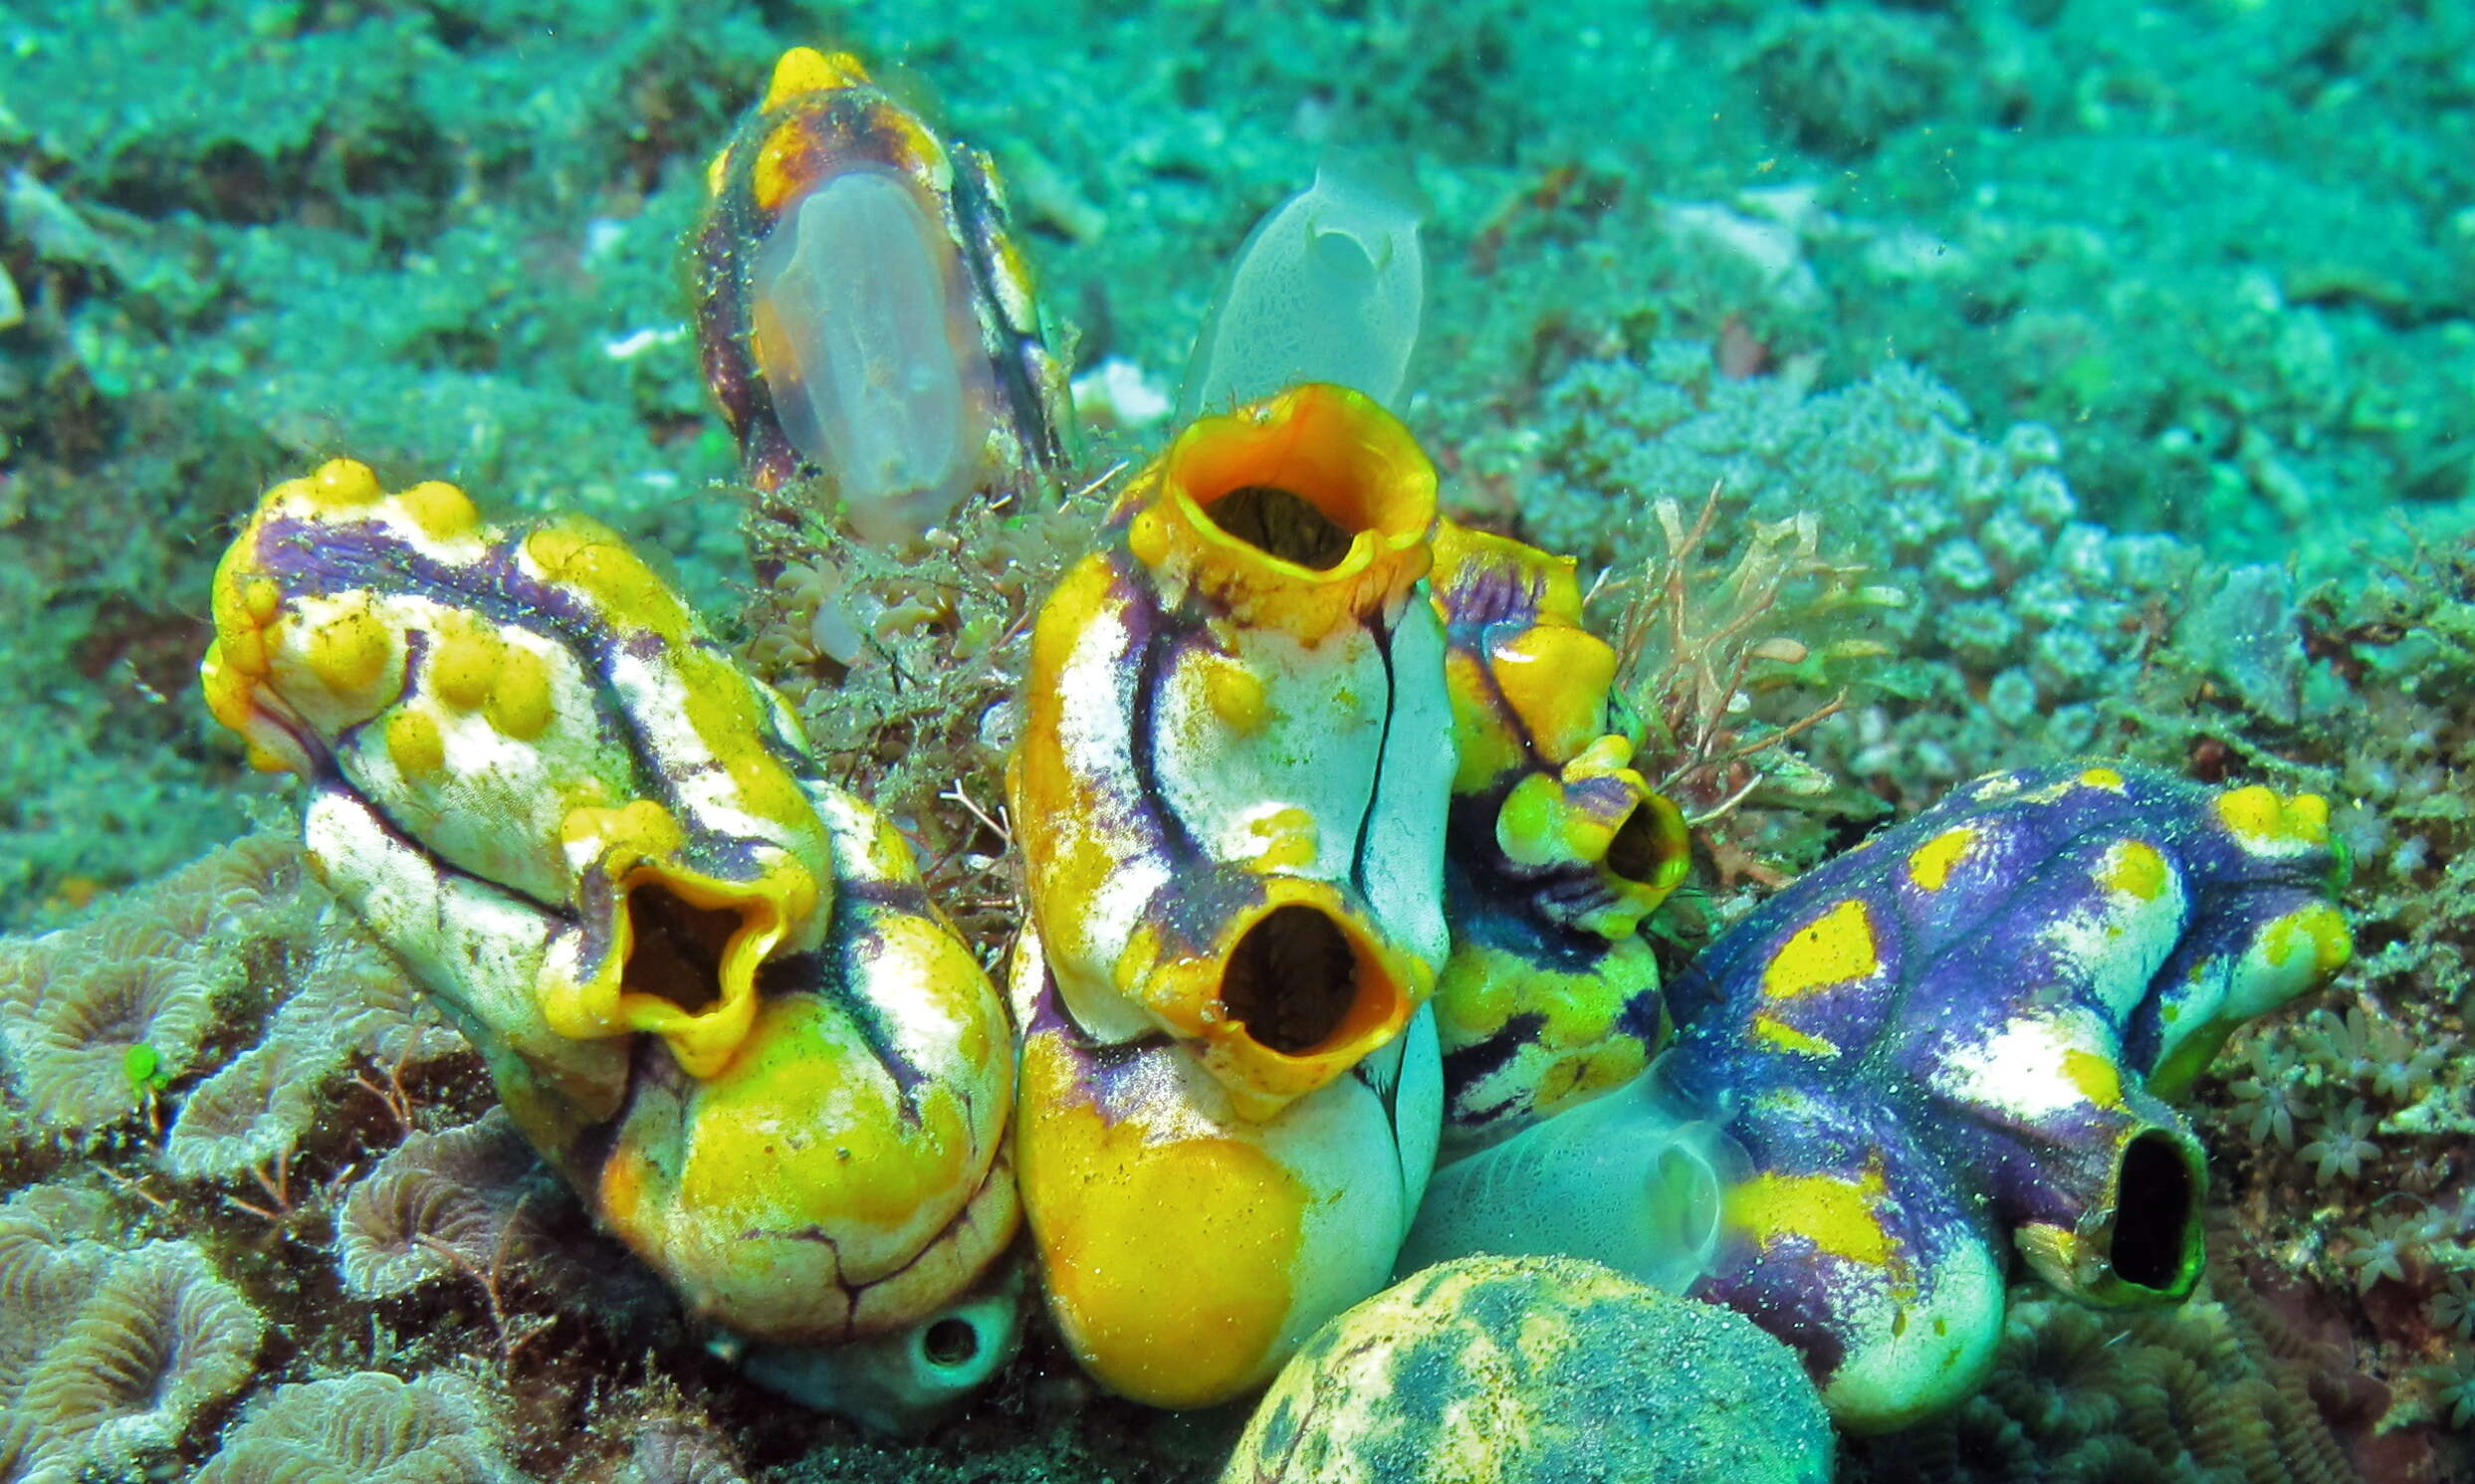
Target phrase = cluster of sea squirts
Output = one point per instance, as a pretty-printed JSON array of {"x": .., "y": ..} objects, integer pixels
[{"x": 1334, "y": 854}]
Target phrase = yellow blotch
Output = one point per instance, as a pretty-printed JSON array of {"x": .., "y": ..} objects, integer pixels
[
  {"x": 442, "y": 511},
  {"x": 1556, "y": 681},
  {"x": 2133, "y": 868},
  {"x": 1168, "y": 1258},
  {"x": 1788, "y": 1038},
  {"x": 2251, "y": 813},
  {"x": 1933, "y": 861},
  {"x": 1236, "y": 695},
  {"x": 1484, "y": 746},
  {"x": 342, "y": 484},
  {"x": 1526, "y": 823},
  {"x": 717, "y": 171},
  {"x": 641, "y": 823},
  {"x": 806, "y": 1125},
  {"x": 414, "y": 743},
  {"x": 2318, "y": 930},
  {"x": 1835, "y": 1214},
  {"x": 2097, "y": 1079},
  {"x": 1286, "y": 840},
  {"x": 2259, "y": 819},
  {"x": 1479, "y": 990},
  {"x": 778, "y": 175},
  {"x": 260, "y": 598},
  {"x": 226, "y": 687},
  {"x": 244, "y": 651},
  {"x": 464, "y": 661},
  {"x": 804, "y": 69},
  {"x": 765, "y": 788},
  {"x": 1833, "y": 949},
  {"x": 598, "y": 564},
  {"x": 2102, "y": 778},
  {"x": 348, "y": 651},
  {"x": 519, "y": 703}
]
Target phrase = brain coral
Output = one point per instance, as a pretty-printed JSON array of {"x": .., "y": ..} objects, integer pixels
[
  {"x": 2082, "y": 1397},
  {"x": 148, "y": 970},
  {"x": 75, "y": 1014},
  {"x": 349, "y": 1000},
  {"x": 366, "y": 1428},
  {"x": 451, "y": 1193},
  {"x": 253, "y": 1110},
  {"x": 137, "y": 1357},
  {"x": 676, "y": 1452}
]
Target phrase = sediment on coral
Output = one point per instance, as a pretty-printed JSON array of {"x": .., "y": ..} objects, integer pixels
[
  {"x": 142, "y": 1342},
  {"x": 370, "y": 1428},
  {"x": 2177, "y": 1395},
  {"x": 439, "y": 1203}
]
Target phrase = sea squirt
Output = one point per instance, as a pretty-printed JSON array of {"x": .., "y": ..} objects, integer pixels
[
  {"x": 1944, "y": 1048},
  {"x": 1229, "y": 794},
  {"x": 1235, "y": 749},
  {"x": 862, "y": 317},
  {"x": 709, "y": 984}
]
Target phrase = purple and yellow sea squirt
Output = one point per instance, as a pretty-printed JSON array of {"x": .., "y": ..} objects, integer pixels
[
  {"x": 1237, "y": 746},
  {"x": 1558, "y": 849},
  {"x": 1942, "y": 1047},
  {"x": 708, "y": 984}
]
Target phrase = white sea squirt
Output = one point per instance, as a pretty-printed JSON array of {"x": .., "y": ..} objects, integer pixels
[{"x": 1634, "y": 1179}]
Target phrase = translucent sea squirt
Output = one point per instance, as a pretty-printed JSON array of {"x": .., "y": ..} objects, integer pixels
[
  {"x": 862, "y": 317},
  {"x": 865, "y": 335}
]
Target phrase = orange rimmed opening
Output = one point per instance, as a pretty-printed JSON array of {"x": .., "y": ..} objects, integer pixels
[
  {"x": 1298, "y": 992},
  {"x": 682, "y": 962},
  {"x": 1308, "y": 509},
  {"x": 688, "y": 950}
]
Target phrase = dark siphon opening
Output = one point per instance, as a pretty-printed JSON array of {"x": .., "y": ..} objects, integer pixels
[
  {"x": 1282, "y": 524},
  {"x": 1291, "y": 980},
  {"x": 677, "y": 953},
  {"x": 2152, "y": 1214},
  {"x": 1637, "y": 853},
  {"x": 950, "y": 1343}
]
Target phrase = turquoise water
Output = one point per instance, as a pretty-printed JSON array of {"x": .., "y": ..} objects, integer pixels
[{"x": 2119, "y": 356}]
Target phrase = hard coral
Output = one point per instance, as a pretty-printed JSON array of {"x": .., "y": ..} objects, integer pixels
[
  {"x": 77, "y": 1016},
  {"x": 366, "y": 1428},
  {"x": 2183, "y": 1395},
  {"x": 439, "y": 1203},
  {"x": 142, "y": 1351},
  {"x": 150, "y": 1348}
]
